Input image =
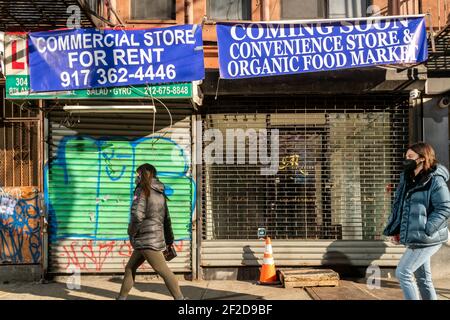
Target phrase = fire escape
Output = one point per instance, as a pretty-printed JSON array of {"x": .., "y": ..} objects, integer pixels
[{"x": 34, "y": 15}]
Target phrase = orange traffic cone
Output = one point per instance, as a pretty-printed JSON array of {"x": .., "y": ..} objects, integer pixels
[{"x": 268, "y": 273}]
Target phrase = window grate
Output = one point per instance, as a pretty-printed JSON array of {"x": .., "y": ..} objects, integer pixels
[
  {"x": 339, "y": 162},
  {"x": 19, "y": 143}
]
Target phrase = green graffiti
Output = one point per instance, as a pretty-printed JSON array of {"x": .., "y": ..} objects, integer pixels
[{"x": 91, "y": 184}]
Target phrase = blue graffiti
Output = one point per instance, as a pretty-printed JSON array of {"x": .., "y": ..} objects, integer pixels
[
  {"x": 109, "y": 170},
  {"x": 20, "y": 232},
  {"x": 104, "y": 169}
]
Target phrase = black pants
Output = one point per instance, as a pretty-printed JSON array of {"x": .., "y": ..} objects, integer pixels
[{"x": 158, "y": 263}]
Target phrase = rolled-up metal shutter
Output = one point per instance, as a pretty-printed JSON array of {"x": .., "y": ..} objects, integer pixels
[
  {"x": 296, "y": 253},
  {"x": 90, "y": 182},
  {"x": 339, "y": 164}
]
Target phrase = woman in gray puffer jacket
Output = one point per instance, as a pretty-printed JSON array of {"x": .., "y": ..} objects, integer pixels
[
  {"x": 419, "y": 219},
  {"x": 150, "y": 232}
]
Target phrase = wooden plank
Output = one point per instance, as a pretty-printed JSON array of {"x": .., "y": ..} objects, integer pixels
[
  {"x": 309, "y": 278},
  {"x": 305, "y": 284}
]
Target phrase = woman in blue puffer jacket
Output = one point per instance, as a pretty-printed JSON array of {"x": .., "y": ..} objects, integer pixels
[{"x": 419, "y": 219}]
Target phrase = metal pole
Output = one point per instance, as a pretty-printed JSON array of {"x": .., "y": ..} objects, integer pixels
[
  {"x": 41, "y": 146},
  {"x": 13, "y": 154},
  {"x": 199, "y": 186},
  {"x": 21, "y": 128},
  {"x": 194, "y": 224},
  {"x": 31, "y": 181},
  {"x": 4, "y": 153},
  {"x": 41, "y": 203}
]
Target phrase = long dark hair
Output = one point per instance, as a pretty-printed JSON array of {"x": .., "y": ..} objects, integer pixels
[
  {"x": 425, "y": 151},
  {"x": 147, "y": 173}
]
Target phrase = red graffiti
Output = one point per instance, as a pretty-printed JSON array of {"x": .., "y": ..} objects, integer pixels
[
  {"x": 125, "y": 250},
  {"x": 95, "y": 254},
  {"x": 92, "y": 255},
  {"x": 72, "y": 257}
]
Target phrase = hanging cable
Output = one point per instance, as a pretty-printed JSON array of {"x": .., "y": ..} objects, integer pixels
[{"x": 217, "y": 88}]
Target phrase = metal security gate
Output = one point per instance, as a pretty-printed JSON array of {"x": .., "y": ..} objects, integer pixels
[
  {"x": 90, "y": 182},
  {"x": 19, "y": 143},
  {"x": 20, "y": 183},
  {"x": 327, "y": 203}
]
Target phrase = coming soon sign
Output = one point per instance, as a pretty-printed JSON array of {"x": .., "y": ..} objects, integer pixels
[{"x": 265, "y": 49}]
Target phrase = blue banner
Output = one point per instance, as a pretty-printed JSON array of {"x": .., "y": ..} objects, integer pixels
[
  {"x": 249, "y": 50},
  {"x": 91, "y": 58}
]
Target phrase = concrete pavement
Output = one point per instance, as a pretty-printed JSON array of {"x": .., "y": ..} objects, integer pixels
[
  {"x": 106, "y": 288},
  {"x": 358, "y": 289}
]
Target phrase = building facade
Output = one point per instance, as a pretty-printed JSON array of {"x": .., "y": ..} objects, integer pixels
[{"x": 341, "y": 140}]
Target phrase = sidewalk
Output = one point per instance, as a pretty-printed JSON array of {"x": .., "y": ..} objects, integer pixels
[
  {"x": 106, "y": 288},
  {"x": 103, "y": 288},
  {"x": 359, "y": 290}
]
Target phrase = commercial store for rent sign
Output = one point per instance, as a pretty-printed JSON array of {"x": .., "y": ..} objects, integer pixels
[
  {"x": 18, "y": 80},
  {"x": 90, "y": 58}
]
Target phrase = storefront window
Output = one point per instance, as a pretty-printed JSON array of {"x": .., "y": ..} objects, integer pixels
[{"x": 338, "y": 168}]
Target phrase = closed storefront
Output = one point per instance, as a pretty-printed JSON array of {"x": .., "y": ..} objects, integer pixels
[
  {"x": 21, "y": 218},
  {"x": 339, "y": 159},
  {"x": 90, "y": 183}
]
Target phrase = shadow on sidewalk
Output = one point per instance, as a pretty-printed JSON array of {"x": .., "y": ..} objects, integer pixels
[
  {"x": 59, "y": 290},
  {"x": 393, "y": 284},
  {"x": 190, "y": 291},
  {"x": 56, "y": 290},
  {"x": 347, "y": 262}
]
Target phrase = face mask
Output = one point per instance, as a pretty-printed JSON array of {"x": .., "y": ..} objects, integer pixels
[{"x": 409, "y": 165}]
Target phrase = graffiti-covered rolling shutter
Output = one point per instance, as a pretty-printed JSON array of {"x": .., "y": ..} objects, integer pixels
[{"x": 90, "y": 183}]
